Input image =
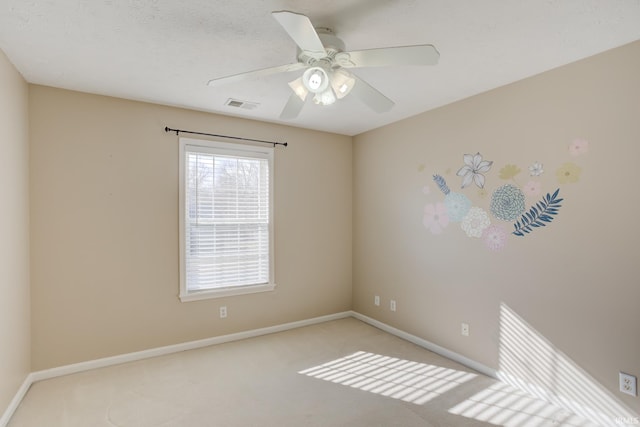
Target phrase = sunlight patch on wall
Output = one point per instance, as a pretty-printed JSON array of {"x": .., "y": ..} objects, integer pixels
[
  {"x": 401, "y": 379},
  {"x": 528, "y": 361}
]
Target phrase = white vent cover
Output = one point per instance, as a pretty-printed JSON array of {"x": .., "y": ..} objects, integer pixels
[{"x": 241, "y": 104}]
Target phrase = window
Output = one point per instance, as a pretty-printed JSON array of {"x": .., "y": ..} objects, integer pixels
[{"x": 226, "y": 221}]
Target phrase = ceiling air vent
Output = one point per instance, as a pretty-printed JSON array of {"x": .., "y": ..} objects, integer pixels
[{"x": 241, "y": 104}]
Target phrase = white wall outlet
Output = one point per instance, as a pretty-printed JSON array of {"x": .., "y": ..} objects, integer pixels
[
  {"x": 392, "y": 305},
  {"x": 223, "y": 311},
  {"x": 464, "y": 329},
  {"x": 628, "y": 384},
  {"x": 376, "y": 300}
]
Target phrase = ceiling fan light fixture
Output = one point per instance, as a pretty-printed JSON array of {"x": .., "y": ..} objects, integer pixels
[
  {"x": 298, "y": 88},
  {"x": 315, "y": 80},
  {"x": 323, "y": 57},
  {"x": 325, "y": 98},
  {"x": 342, "y": 82}
]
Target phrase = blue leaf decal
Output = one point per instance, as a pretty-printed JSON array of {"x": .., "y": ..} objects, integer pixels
[
  {"x": 442, "y": 184},
  {"x": 538, "y": 215}
]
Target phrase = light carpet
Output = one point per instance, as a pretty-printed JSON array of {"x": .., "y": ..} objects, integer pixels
[{"x": 338, "y": 373}]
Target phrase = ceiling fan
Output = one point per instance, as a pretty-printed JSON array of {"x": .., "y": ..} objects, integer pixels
[{"x": 326, "y": 65}]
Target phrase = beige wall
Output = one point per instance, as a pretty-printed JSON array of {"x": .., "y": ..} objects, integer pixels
[
  {"x": 573, "y": 283},
  {"x": 104, "y": 195},
  {"x": 14, "y": 232}
]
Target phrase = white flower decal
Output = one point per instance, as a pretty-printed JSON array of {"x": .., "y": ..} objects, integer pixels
[
  {"x": 475, "y": 222},
  {"x": 473, "y": 170},
  {"x": 536, "y": 169}
]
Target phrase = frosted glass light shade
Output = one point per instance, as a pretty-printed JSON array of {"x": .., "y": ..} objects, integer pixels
[
  {"x": 315, "y": 79},
  {"x": 298, "y": 88},
  {"x": 325, "y": 98},
  {"x": 342, "y": 82}
]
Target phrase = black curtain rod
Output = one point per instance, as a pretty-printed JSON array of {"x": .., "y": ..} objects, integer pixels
[{"x": 178, "y": 131}]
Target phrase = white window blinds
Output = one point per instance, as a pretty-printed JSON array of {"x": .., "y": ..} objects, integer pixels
[{"x": 226, "y": 216}]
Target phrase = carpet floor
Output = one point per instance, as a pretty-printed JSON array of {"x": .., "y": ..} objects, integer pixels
[{"x": 338, "y": 373}]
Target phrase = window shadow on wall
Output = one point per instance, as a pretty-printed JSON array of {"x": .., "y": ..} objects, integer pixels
[{"x": 528, "y": 361}]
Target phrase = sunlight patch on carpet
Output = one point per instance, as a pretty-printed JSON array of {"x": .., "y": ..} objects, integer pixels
[
  {"x": 392, "y": 377},
  {"x": 504, "y": 405}
]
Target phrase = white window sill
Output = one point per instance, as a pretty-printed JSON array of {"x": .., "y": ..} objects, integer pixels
[{"x": 225, "y": 292}]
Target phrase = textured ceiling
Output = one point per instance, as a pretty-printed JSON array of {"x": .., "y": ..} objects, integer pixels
[{"x": 165, "y": 51}]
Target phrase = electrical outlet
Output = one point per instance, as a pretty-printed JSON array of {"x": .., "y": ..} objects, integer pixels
[
  {"x": 376, "y": 300},
  {"x": 464, "y": 329},
  {"x": 628, "y": 384},
  {"x": 392, "y": 305},
  {"x": 223, "y": 311}
]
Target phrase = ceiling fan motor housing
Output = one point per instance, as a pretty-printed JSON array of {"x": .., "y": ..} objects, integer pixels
[{"x": 332, "y": 45}]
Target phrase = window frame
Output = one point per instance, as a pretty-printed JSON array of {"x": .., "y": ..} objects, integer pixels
[{"x": 229, "y": 149}]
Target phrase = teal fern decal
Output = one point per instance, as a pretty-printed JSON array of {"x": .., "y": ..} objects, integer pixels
[{"x": 538, "y": 215}]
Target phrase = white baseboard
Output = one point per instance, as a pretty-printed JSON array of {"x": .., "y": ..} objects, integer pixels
[
  {"x": 614, "y": 405},
  {"x": 456, "y": 357},
  {"x": 191, "y": 345},
  {"x": 175, "y": 348},
  {"x": 153, "y": 352},
  {"x": 15, "y": 402},
  {"x": 160, "y": 351}
]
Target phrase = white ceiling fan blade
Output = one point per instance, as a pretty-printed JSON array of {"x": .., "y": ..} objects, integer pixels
[
  {"x": 424, "y": 54},
  {"x": 256, "y": 74},
  {"x": 371, "y": 96},
  {"x": 301, "y": 30},
  {"x": 292, "y": 108}
]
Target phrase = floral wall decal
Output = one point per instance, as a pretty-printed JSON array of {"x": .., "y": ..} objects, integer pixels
[
  {"x": 509, "y": 172},
  {"x": 568, "y": 173},
  {"x": 475, "y": 222},
  {"x": 507, "y": 202},
  {"x": 579, "y": 147},
  {"x": 457, "y": 205},
  {"x": 536, "y": 169},
  {"x": 532, "y": 188},
  {"x": 495, "y": 237},
  {"x": 435, "y": 217},
  {"x": 473, "y": 170}
]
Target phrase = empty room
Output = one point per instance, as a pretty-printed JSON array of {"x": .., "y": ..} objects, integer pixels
[{"x": 298, "y": 213}]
